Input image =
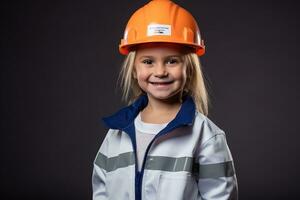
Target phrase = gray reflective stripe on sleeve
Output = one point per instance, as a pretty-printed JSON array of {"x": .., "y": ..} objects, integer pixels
[
  {"x": 113, "y": 163},
  {"x": 216, "y": 170},
  {"x": 101, "y": 160},
  {"x": 187, "y": 164},
  {"x": 170, "y": 164}
]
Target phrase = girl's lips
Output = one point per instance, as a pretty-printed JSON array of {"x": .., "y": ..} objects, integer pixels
[{"x": 161, "y": 83}]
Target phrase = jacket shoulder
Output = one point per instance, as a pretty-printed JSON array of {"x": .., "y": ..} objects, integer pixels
[
  {"x": 115, "y": 142},
  {"x": 207, "y": 127},
  {"x": 110, "y": 138}
]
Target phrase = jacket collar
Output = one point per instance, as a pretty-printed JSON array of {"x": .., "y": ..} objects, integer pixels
[{"x": 125, "y": 117}]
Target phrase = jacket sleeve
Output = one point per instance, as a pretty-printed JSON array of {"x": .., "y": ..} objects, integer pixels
[
  {"x": 99, "y": 173},
  {"x": 217, "y": 179}
]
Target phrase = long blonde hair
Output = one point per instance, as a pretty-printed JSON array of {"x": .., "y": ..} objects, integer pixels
[{"x": 195, "y": 84}]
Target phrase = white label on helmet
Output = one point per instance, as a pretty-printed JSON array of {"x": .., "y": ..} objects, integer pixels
[{"x": 158, "y": 29}]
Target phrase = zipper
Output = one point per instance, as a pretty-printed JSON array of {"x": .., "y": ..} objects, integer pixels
[
  {"x": 138, "y": 195},
  {"x": 130, "y": 130}
]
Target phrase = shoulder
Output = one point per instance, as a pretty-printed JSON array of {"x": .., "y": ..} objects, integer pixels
[
  {"x": 109, "y": 138},
  {"x": 205, "y": 121},
  {"x": 111, "y": 134},
  {"x": 115, "y": 140},
  {"x": 206, "y": 127}
]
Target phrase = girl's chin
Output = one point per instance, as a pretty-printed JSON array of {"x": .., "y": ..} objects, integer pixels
[{"x": 165, "y": 97}]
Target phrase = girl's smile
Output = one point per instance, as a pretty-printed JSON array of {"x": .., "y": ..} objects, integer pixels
[{"x": 161, "y": 84}]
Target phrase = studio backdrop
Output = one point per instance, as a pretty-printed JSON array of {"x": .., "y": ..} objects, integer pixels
[{"x": 59, "y": 72}]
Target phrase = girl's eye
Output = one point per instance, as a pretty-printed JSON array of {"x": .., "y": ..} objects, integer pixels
[
  {"x": 172, "y": 61},
  {"x": 147, "y": 62}
]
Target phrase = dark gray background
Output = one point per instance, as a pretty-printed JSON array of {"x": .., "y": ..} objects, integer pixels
[{"x": 59, "y": 66}]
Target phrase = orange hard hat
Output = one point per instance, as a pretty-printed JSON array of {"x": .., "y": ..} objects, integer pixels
[{"x": 162, "y": 21}]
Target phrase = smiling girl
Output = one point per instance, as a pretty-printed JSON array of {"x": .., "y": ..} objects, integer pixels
[{"x": 162, "y": 145}]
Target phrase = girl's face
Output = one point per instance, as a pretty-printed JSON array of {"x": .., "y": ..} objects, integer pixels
[{"x": 160, "y": 71}]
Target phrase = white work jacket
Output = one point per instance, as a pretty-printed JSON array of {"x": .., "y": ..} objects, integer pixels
[{"x": 188, "y": 160}]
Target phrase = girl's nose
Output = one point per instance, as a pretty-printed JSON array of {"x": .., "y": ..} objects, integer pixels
[{"x": 160, "y": 71}]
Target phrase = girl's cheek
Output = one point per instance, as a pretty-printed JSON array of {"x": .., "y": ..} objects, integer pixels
[
  {"x": 142, "y": 76},
  {"x": 179, "y": 74}
]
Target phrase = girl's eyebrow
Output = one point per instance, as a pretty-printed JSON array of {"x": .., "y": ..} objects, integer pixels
[
  {"x": 146, "y": 57},
  {"x": 172, "y": 56},
  {"x": 165, "y": 57},
  {"x": 179, "y": 57}
]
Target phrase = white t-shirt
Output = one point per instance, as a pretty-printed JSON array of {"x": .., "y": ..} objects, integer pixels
[{"x": 144, "y": 133}]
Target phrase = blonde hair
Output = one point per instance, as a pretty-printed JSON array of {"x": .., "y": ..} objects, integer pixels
[{"x": 195, "y": 84}]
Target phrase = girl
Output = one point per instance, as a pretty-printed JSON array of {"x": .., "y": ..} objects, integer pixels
[{"x": 162, "y": 146}]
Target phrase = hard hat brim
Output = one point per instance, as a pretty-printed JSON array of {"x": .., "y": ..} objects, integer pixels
[{"x": 124, "y": 49}]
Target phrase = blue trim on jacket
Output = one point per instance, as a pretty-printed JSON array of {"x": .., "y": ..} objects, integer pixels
[
  {"x": 124, "y": 117},
  {"x": 124, "y": 120}
]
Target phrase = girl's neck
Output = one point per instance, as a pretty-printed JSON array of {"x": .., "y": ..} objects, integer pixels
[{"x": 160, "y": 111}]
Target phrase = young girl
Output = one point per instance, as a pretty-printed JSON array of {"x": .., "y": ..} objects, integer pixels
[{"x": 162, "y": 146}]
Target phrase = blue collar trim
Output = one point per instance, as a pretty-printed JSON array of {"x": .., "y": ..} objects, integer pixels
[{"x": 125, "y": 117}]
